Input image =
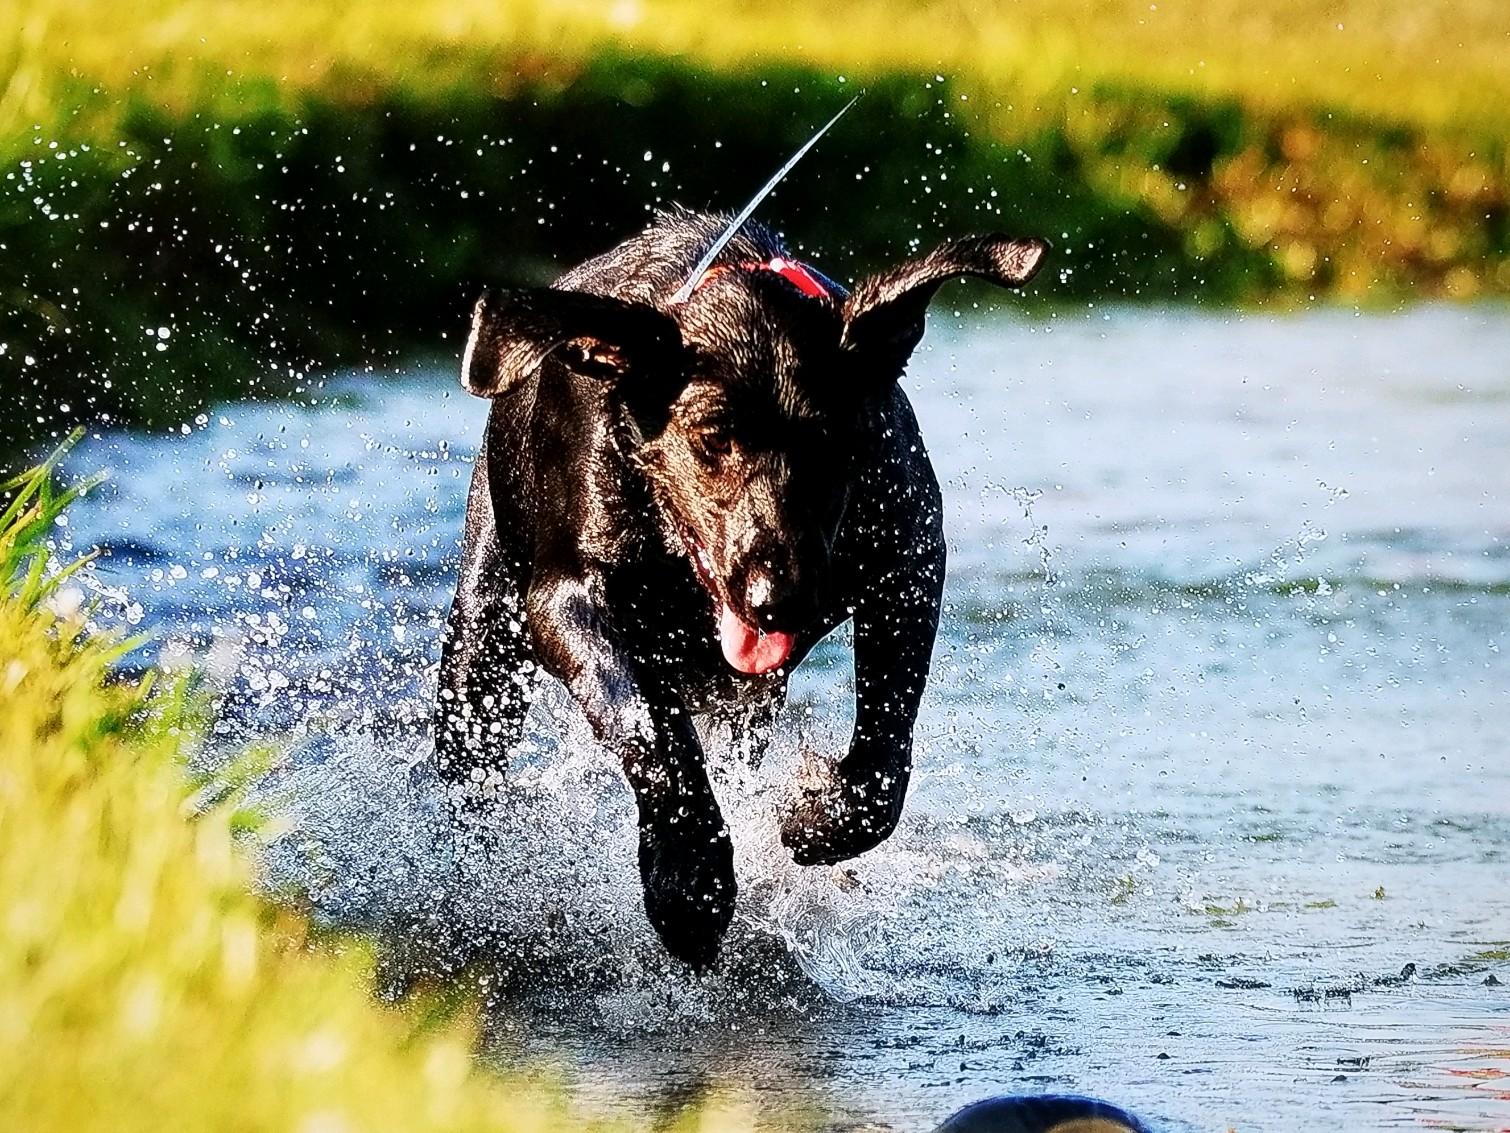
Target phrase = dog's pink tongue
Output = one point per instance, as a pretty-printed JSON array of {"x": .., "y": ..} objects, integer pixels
[{"x": 749, "y": 650}]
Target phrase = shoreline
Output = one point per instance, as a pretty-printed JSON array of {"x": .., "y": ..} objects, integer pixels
[{"x": 174, "y": 244}]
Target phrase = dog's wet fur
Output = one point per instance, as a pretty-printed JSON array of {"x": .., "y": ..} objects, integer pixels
[{"x": 673, "y": 502}]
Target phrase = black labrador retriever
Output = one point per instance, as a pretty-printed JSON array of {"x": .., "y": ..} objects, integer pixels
[{"x": 673, "y": 502}]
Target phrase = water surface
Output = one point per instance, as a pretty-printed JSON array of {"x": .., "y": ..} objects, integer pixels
[{"x": 1215, "y": 745}]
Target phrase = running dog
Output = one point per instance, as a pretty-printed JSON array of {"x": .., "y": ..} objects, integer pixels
[{"x": 684, "y": 484}]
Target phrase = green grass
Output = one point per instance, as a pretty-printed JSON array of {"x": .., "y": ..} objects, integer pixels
[{"x": 142, "y": 984}]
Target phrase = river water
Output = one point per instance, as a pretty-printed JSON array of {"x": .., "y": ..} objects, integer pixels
[{"x": 1216, "y": 743}]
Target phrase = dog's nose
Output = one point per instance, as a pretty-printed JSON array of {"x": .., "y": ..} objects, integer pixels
[
  {"x": 774, "y": 599},
  {"x": 761, "y": 589}
]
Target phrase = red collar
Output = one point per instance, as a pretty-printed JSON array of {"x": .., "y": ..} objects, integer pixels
[{"x": 792, "y": 271}]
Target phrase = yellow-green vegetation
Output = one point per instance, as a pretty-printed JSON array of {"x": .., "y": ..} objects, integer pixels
[
  {"x": 142, "y": 984},
  {"x": 291, "y": 185},
  {"x": 1438, "y": 65}
]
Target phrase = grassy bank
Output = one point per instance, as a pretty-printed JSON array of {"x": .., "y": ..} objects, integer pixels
[
  {"x": 206, "y": 200},
  {"x": 142, "y": 985}
]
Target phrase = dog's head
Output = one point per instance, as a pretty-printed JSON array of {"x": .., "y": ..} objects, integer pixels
[{"x": 750, "y": 408}]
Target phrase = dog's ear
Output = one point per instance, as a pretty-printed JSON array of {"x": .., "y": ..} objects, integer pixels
[
  {"x": 514, "y": 331},
  {"x": 883, "y": 316}
]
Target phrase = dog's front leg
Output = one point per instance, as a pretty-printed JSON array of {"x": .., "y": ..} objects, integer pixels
[
  {"x": 686, "y": 858},
  {"x": 857, "y": 806}
]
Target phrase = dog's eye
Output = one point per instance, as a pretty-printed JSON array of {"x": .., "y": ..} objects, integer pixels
[{"x": 714, "y": 440}]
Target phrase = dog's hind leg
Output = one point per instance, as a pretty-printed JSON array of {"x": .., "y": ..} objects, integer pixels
[{"x": 486, "y": 674}]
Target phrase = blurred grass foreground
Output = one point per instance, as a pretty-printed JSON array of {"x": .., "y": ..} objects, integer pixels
[
  {"x": 142, "y": 984},
  {"x": 214, "y": 198}
]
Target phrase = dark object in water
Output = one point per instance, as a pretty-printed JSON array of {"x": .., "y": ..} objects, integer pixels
[
  {"x": 674, "y": 502},
  {"x": 1047, "y": 1113}
]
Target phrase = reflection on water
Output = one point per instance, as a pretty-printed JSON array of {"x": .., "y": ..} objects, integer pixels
[{"x": 1215, "y": 745}]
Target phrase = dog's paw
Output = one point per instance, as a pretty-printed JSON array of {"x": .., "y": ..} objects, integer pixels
[
  {"x": 687, "y": 869},
  {"x": 833, "y": 818}
]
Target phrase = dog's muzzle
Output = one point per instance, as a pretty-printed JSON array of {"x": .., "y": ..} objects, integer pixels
[{"x": 747, "y": 648}]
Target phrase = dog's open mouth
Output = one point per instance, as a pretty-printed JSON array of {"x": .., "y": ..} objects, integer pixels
[{"x": 745, "y": 647}]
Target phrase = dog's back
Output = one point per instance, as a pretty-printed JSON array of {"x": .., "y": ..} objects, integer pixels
[{"x": 649, "y": 266}]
